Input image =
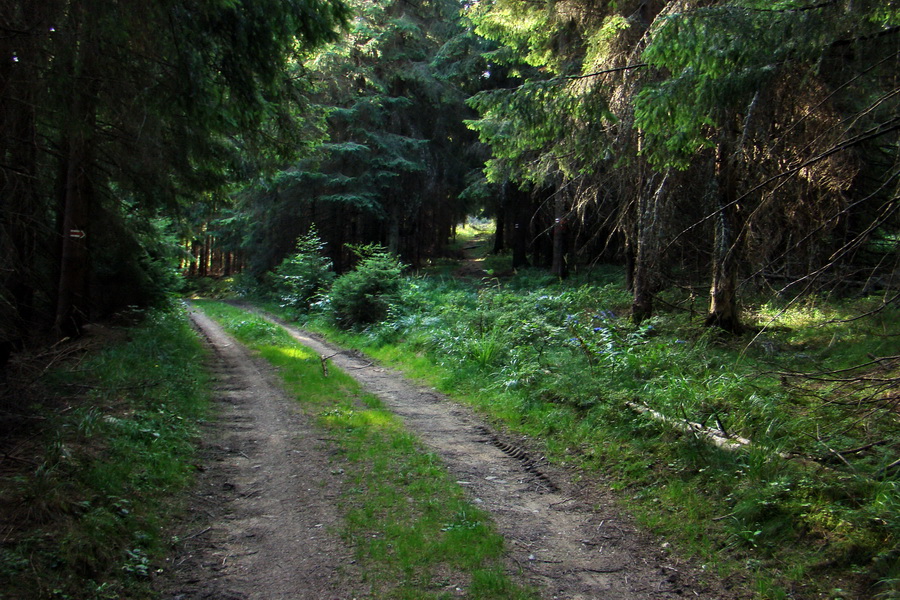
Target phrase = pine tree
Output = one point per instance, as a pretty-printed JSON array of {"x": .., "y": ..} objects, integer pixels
[
  {"x": 118, "y": 112},
  {"x": 393, "y": 162},
  {"x": 726, "y": 66}
]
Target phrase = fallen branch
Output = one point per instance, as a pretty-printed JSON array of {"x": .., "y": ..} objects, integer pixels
[
  {"x": 732, "y": 442},
  {"x": 718, "y": 438},
  {"x": 894, "y": 464},
  {"x": 863, "y": 448},
  {"x": 324, "y": 358}
]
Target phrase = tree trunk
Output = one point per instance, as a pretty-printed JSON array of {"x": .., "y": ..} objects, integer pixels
[
  {"x": 72, "y": 302},
  {"x": 560, "y": 267},
  {"x": 521, "y": 226},
  {"x": 195, "y": 259},
  {"x": 72, "y": 297},
  {"x": 204, "y": 257},
  {"x": 723, "y": 310},
  {"x": 394, "y": 234},
  {"x": 646, "y": 253},
  {"x": 503, "y": 209},
  {"x": 723, "y": 306},
  {"x": 629, "y": 265}
]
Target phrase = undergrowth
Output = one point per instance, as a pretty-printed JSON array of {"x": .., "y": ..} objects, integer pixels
[
  {"x": 114, "y": 449},
  {"x": 809, "y": 508},
  {"x": 412, "y": 528}
]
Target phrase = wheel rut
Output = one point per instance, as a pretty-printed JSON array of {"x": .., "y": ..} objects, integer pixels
[
  {"x": 263, "y": 519},
  {"x": 564, "y": 532}
]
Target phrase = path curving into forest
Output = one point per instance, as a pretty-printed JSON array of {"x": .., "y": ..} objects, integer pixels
[{"x": 268, "y": 497}]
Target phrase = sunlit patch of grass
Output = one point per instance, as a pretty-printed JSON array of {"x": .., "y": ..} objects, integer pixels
[
  {"x": 410, "y": 523},
  {"x": 475, "y": 229},
  {"x": 796, "y": 315},
  {"x": 294, "y": 353}
]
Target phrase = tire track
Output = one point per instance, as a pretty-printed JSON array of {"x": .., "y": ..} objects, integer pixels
[
  {"x": 569, "y": 540},
  {"x": 264, "y": 516}
]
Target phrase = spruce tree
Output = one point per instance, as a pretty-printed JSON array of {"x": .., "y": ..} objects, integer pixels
[{"x": 120, "y": 112}]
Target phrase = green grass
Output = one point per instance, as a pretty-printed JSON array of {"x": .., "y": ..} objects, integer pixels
[
  {"x": 409, "y": 522},
  {"x": 560, "y": 362},
  {"x": 111, "y": 460}
]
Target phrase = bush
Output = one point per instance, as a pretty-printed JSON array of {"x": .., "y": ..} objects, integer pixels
[
  {"x": 365, "y": 295},
  {"x": 304, "y": 275}
]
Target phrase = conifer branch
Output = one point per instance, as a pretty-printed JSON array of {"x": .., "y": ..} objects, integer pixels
[
  {"x": 825, "y": 4},
  {"x": 865, "y": 38},
  {"x": 872, "y": 133},
  {"x": 603, "y": 72}
]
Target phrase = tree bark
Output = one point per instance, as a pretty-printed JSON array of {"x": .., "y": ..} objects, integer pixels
[
  {"x": 394, "y": 234},
  {"x": 521, "y": 226},
  {"x": 723, "y": 306},
  {"x": 72, "y": 294},
  {"x": 646, "y": 252},
  {"x": 503, "y": 208},
  {"x": 76, "y": 169},
  {"x": 723, "y": 310},
  {"x": 560, "y": 267}
]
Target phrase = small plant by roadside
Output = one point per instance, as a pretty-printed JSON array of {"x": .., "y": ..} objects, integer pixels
[
  {"x": 366, "y": 294},
  {"x": 305, "y": 275}
]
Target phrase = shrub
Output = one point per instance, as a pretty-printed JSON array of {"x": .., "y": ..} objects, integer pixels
[
  {"x": 304, "y": 275},
  {"x": 365, "y": 295}
]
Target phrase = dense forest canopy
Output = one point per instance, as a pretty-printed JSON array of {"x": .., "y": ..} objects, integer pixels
[
  {"x": 117, "y": 120},
  {"x": 725, "y": 146}
]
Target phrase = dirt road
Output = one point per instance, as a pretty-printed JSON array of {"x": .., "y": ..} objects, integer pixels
[
  {"x": 265, "y": 510},
  {"x": 263, "y": 514}
]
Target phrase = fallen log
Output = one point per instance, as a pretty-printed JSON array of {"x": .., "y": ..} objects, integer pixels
[{"x": 717, "y": 437}]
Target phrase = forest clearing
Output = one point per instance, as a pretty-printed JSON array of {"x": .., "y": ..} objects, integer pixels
[{"x": 646, "y": 253}]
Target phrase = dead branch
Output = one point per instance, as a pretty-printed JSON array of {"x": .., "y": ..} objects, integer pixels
[{"x": 718, "y": 438}]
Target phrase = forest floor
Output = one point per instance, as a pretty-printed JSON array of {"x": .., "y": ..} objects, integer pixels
[{"x": 264, "y": 518}]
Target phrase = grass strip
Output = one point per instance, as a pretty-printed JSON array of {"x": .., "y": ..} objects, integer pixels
[
  {"x": 114, "y": 450},
  {"x": 410, "y": 524}
]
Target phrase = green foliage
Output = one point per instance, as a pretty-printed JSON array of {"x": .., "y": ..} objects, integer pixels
[
  {"x": 366, "y": 294},
  {"x": 716, "y": 58},
  {"x": 92, "y": 514},
  {"x": 558, "y": 363},
  {"x": 552, "y": 124},
  {"x": 394, "y": 141},
  {"x": 303, "y": 276},
  {"x": 533, "y": 32},
  {"x": 540, "y": 130}
]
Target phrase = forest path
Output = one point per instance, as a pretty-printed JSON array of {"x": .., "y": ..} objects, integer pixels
[
  {"x": 263, "y": 517},
  {"x": 471, "y": 263},
  {"x": 567, "y": 539}
]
